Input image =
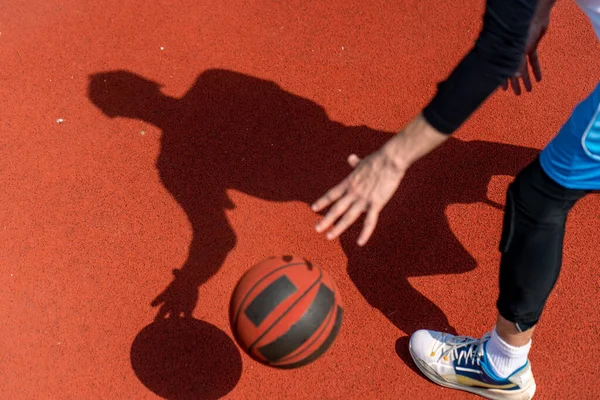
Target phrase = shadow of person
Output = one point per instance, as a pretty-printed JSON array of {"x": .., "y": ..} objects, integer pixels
[{"x": 234, "y": 131}]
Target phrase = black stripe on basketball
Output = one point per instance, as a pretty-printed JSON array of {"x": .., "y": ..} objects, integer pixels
[
  {"x": 307, "y": 346},
  {"x": 249, "y": 292},
  {"x": 303, "y": 329},
  {"x": 323, "y": 348},
  {"x": 269, "y": 299}
]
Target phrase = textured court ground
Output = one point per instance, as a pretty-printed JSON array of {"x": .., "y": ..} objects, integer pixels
[{"x": 195, "y": 134}]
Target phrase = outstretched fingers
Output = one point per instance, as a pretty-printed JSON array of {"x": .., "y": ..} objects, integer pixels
[
  {"x": 335, "y": 193},
  {"x": 350, "y": 216},
  {"x": 335, "y": 212},
  {"x": 369, "y": 225},
  {"x": 330, "y": 196}
]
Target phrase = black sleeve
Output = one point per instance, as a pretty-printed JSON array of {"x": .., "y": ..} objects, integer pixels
[{"x": 496, "y": 55}]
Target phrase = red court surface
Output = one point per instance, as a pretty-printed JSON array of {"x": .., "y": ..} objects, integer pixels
[{"x": 195, "y": 135}]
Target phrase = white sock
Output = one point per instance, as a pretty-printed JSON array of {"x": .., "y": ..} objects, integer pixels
[{"x": 504, "y": 358}]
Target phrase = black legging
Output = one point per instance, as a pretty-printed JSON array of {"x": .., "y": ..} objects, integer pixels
[{"x": 532, "y": 243}]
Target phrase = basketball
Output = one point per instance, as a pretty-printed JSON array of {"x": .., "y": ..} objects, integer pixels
[{"x": 285, "y": 312}]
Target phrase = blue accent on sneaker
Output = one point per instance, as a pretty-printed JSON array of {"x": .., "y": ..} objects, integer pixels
[
  {"x": 481, "y": 371},
  {"x": 487, "y": 368}
]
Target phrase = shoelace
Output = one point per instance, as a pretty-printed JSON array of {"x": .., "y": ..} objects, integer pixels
[{"x": 472, "y": 355}]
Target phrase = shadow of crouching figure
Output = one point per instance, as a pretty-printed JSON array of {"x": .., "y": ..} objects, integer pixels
[
  {"x": 230, "y": 131},
  {"x": 234, "y": 131}
]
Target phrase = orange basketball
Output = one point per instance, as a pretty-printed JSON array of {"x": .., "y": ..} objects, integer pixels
[{"x": 285, "y": 312}]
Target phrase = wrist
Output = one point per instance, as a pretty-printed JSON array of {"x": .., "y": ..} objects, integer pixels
[{"x": 414, "y": 141}]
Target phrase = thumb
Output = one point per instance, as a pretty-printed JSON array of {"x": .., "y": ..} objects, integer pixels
[{"x": 353, "y": 160}]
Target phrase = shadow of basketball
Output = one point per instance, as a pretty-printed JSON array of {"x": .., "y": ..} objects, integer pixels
[{"x": 185, "y": 358}]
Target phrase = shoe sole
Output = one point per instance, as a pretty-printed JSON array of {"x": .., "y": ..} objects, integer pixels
[{"x": 492, "y": 394}]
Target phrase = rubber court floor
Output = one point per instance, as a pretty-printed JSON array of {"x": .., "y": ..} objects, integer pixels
[{"x": 139, "y": 138}]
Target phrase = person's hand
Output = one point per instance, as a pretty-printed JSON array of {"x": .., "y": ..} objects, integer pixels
[
  {"x": 367, "y": 189},
  {"x": 375, "y": 179},
  {"x": 537, "y": 30}
]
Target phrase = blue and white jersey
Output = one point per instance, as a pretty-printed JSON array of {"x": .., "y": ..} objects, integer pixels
[
  {"x": 572, "y": 158},
  {"x": 592, "y": 9}
]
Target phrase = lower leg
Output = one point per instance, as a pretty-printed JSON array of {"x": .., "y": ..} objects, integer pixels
[
  {"x": 531, "y": 245},
  {"x": 509, "y": 333},
  {"x": 532, "y": 240}
]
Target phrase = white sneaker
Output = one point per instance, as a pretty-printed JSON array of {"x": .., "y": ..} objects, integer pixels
[{"x": 460, "y": 362}]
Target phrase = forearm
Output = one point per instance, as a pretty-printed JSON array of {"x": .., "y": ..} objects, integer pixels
[{"x": 496, "y": 55}]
